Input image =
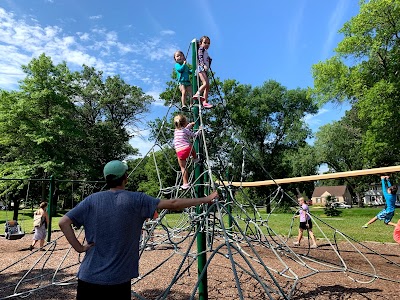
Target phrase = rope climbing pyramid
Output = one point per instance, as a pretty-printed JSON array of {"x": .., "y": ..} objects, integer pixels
[{"x": 225, "y": 250}]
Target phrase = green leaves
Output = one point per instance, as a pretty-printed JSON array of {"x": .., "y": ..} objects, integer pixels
[
  {"x": 365, "y": 71},
  {"x": 66, "y": 124}
]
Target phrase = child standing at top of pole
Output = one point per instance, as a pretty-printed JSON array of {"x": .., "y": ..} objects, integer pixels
[
  {"x": 389, "y": 191},
  {"x": 183, "y": 145},
  {"x": 182, "y": 72},
  {"x": 204, "y": 63}
]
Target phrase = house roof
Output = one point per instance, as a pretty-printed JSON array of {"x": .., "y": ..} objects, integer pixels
[{"x": 338, "y": 190}]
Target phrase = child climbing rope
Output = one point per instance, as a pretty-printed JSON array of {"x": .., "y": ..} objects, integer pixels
[
  {"x": 204, "y": 63},
  {"x": 183, "y": 145},
  {"x": 182, "y": 72}
]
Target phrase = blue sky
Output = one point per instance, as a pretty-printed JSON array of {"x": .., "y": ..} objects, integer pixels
[{"x": 251, "y": 41}]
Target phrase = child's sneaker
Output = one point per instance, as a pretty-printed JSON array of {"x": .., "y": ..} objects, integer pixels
[
  {"x": 314, "y": 246},
  {"x": 296, "y": 244},
  {"x": 207, "y": 105},
  {"x": 185, "y": 108},
  {"x": 365, "y": 226},
  {"x": 185, "y": 186}
]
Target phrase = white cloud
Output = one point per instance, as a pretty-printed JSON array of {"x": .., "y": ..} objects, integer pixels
[
  {"x": 83, "y": 36},
  {"x": 140, "y": 61},
  {"x": 314, "y": 120},
  {"x": 167, "y": 32},
  {"x": 208, "y": 19},
  {"x": 334, "y": 24},
  {"x": 294, "y": 28},
  {"x": 96, "y": 17}
]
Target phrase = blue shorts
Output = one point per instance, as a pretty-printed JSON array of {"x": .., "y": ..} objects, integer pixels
[
  {"x": 185, "y": 83},
  {"x": 200, "y": 69},
  {"x": 385, "y": 216}
]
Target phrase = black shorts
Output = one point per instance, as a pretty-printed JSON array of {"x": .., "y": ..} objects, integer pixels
[
  {"x": 303, "y": 225},
  {"x": 89, "y": 291}
]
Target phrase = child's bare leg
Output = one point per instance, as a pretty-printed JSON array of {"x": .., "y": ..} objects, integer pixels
[
  {"x": 203, "y": 83},
  {"x": 311, "y": 233},
  {"x": 182, "y": 164},
  {"x": 372, "y": 220},
  {"x": 300, "y": 235},
  {"x": 189, "y": 93},
  {"x": 391, "y": 223},
  {"x": 183, "y": 93},
  {"x": 205, "y": 86}
]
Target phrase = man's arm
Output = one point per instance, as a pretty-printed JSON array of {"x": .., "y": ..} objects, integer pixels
[
  {"x": 180, "y": 203},
  {"x": 65, "y": 226}
]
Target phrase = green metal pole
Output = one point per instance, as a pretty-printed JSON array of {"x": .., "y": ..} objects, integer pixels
[
  {"x": 50, "y": 207},
  {"x": 201, "y": 236}
]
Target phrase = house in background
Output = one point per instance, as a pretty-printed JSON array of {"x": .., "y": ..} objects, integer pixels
[
  {"x": 374, "y": 196},
  {"x": 340, "y": 192}
]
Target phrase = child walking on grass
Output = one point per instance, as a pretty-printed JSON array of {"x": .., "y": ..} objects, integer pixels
[{"x": 305, "y": 224}]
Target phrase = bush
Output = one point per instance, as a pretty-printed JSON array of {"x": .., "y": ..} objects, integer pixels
[{"x": 329, "y": 210}]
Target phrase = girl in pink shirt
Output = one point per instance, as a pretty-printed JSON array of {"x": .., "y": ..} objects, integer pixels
[
  {"x": 305, "y": 224},
  {"x": 183, "y": 145}
]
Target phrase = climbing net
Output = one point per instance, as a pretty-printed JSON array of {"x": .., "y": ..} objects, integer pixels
[{"x": 243, "y": 255}]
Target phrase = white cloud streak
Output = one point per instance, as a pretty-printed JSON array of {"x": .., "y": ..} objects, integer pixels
[
  {"x": 335, "y": 23},
  {"x": 21, "y": 40}
]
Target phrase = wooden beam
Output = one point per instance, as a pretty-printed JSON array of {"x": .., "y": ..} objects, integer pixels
[{"x": 381, "y": 171}]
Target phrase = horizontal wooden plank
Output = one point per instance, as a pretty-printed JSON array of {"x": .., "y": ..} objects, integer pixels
[{"x": 381, "y": 171}]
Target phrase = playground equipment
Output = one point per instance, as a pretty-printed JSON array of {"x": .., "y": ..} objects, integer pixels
[{"x": 13, "y": 230}]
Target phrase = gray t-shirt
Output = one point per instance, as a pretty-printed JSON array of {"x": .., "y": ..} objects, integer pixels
[{"x": 112, "y": 220}]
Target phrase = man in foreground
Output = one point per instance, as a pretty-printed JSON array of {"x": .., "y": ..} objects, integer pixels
[{"x": 113, "y": 222}]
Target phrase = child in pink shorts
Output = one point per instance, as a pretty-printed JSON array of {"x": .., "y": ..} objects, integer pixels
[
  {"x": 183, "y": 145},
  {"x": 396, "y": 232}
]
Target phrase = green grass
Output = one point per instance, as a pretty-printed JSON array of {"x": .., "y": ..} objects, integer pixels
[
  {"x": 25, "y": 219},
  {"x": 349, "y": 223}
]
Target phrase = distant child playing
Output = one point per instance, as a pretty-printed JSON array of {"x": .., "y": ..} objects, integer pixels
[
  {"x": 204, "y": 63},
  {"x": 389, "y": 192},
  {"x": 182, "y": 72},
  {"x": 305, "y": 224},
  {"x": 396, "y": 232},
  {"x": 183, "y": 145}
]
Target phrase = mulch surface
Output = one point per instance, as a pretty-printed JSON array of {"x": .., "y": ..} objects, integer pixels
[{"x": 348, "y": 271}]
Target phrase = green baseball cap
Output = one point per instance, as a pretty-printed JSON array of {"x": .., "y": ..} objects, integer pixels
[{"x": 116, "y": 168}]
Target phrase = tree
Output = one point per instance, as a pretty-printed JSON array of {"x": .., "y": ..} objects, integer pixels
[
  {"x": 364, "y": 71},
  {"x": 66, "y": 124},
  {"x": 339, "y": 145},
  {"x": 161, "y": 172},
  {"x": 266, "y": 122},
  {"x": 106, "y": 109}
]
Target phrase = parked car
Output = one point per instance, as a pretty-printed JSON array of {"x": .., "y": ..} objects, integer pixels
[{"x": 340, "y": 205}]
